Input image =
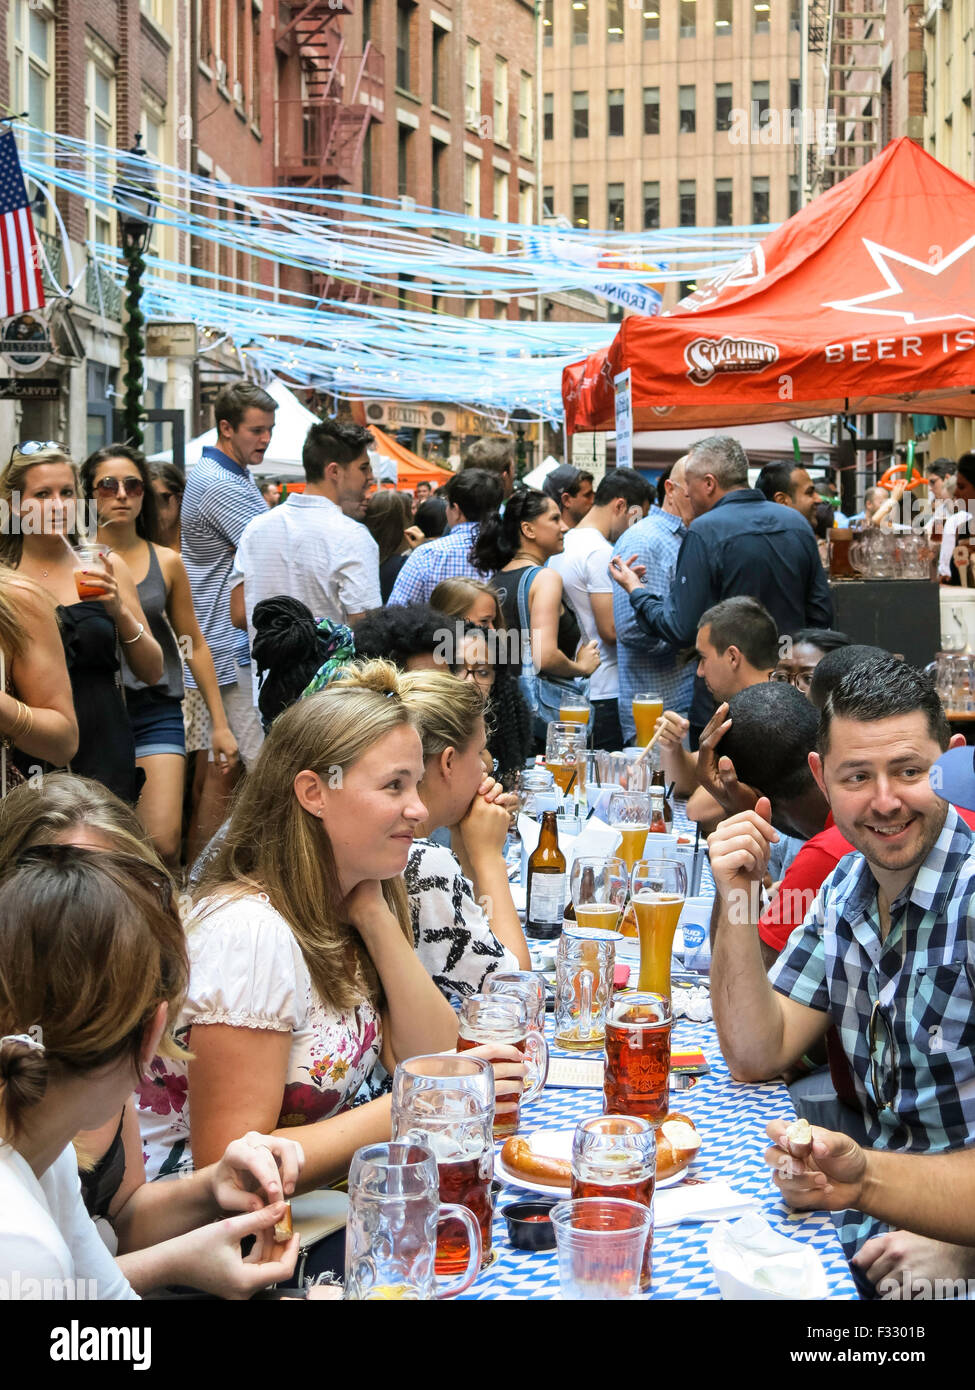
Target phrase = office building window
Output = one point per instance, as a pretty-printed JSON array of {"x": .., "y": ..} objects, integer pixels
[
  {"x": 722, "y": 16},
  {"x": 526, "y": 116},
  {"x": 404, "y": 159},
  {"x": 614, "y": 21},
  {"x": 687, "y": 199},
  {"x": 367, "y": 14},
  {"x": 100, "y": 123},
  {"x": 367, "y": 162},
  {"x": 794, "y": 200},
  {"x": 687, "y": 110},
  {"x": 548, "y": 116},
  {"x": 438, "y": 166},
  {"x": 501, "y": 100},
  {"x": 472, "y": 194},
  {"x": 548, "y": 201},
  {"x": 500, "y": 209},
  {"x": 548, "y": 16},
  {"x": 404, "y": 21},
  {"x": 687, "y": 287},
  {"x": 438, "y": 72},
  {"x": 761, "y": 10},
  {"x": 722, "y": 105},
  {"x": 580, "y": 205},
  {"x": 760, "y": 103},
  {"x": 32, "y": 82},
  {"x": 580, "y": 21},
  {"x": 688, "y": 18},
  {"x": 651, "y": 206},
  {"x": 760, "y": 209},
  {"x": 795, "y": 15},
  {"x": 580, "y": 115},
  {"x": 255, "y": 66},
  {"x": 795, "y": 97},
  {"x": 526, "y": 204},
  {"x": 651, "y": 110},
  {"x": 615, "y": 111},
  {"x": 722, "y": 203},
  {"x": 615, "y": 206},
  {"x": 651, "y": 19},
  {"x": 472, "y": 84}
]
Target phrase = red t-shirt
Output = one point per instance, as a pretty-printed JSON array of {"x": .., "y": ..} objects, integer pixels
[{"x": 805, "y": 876}]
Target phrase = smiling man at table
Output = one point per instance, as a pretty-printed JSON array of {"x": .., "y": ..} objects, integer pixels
[{"x": 885, "y": 951}]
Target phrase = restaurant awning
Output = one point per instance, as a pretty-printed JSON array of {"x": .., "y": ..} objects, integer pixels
[
  {"x": 762, "y": 443},
  {"x": 863, "y": 301}
]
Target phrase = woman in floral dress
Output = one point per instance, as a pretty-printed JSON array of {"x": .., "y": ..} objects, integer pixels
[{"x": 302, "y": 969}]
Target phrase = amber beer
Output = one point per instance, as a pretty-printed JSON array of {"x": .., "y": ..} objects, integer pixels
[
  {"x": 657, "y": 915},
  {"x": 467, "y": 1183},
  {"x": 563, "y": 774},
  {"x": 647, "y": 709},
  {"x": 637, "y": 1074},
  {"x": 547, "y": 883},
  {"x": 602, "y": 916},
  {"x": 507, "y": 1124},
  {"x": 631, "y": 846},
  {"x": 574, "y": 714},
  {"x": 615, "y": 1156}
]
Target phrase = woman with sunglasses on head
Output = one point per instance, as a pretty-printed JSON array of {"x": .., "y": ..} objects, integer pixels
[
  {"x": 94, "y": 964},
  {"x": 159, "y": 1235},
  {"x": 303, "y": 974},
  {"x": 118, "y": 479},
  {"x": 40, "y": 484}
]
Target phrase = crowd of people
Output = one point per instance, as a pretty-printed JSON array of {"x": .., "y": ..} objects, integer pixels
[{"x": 206, "y": 961}]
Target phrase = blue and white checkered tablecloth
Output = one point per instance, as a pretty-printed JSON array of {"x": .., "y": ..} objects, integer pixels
[{"x": 731, "y": 1119}]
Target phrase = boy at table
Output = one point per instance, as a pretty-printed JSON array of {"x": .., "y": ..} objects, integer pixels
[{"x": 884, "y": 952}]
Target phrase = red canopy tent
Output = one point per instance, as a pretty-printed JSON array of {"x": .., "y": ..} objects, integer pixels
[
  {"x": 864, "y": 301},
  {"x": 411, "y": 469}
]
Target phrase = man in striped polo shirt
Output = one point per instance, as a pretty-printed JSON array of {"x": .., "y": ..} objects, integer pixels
[{"x": 221, "y": 498}]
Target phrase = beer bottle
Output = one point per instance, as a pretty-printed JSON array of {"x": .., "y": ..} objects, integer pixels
[
  {"x": 657, "y": 823},
  {"x": 546, "y": 882},
  {"x": 657, "y": 780}
]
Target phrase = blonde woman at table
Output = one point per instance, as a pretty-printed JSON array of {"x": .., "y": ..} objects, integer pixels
[
  {"x": 459, "y": 942},
  {"x": 160, "y": 1234},
  {"x": 94, "y": 963},
  {"x": 303, "y": 974}
]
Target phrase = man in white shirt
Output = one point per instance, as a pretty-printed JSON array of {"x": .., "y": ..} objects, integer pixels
[
  {"x": 622, "y": 497},
  {"x": 314, "y": 547}
]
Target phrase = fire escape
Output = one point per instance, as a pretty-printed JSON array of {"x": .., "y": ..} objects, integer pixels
[
  {"x": 851, "y": 52},
  {"x": 322, "y": 133}
]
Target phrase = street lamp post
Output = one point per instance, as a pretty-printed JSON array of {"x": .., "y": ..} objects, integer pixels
[
  {"x": 520, "y": 418},
  {"x": 137, "y": 199}
]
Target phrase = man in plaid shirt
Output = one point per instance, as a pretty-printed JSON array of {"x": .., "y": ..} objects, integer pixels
[
  {"x": 471, "y": 496},
  {"x": 886, "y": 952}
]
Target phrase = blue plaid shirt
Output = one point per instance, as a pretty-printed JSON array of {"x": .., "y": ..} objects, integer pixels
[
  {"x": 647, "y": 664},
  {"x": 448, "y": 557},
  {"x": 921, "y": 979}
]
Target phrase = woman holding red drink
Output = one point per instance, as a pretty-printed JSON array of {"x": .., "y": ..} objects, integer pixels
[
  {"x": 303, "y": 975},
  {"x": 97, "y": 607}
]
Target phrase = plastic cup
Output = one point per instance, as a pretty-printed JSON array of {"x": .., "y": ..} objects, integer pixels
[
  {"x": 89, "y": 557},
  {"x": 601, "y": 1242}
]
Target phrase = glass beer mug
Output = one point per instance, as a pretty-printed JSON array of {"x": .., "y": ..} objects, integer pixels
[
  {"x": 526, "y": 985},
  {"x": 446, "y": 1104},
  {"x": 503, "y": 1018},
  {"x": 584, "y": 966},
  {"x": 391, "y": 1233}
]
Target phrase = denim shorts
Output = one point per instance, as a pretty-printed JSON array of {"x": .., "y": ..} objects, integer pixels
[{"x": 157, "y": 723}]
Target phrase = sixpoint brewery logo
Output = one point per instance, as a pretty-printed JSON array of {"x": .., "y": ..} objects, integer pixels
[{"x": 707, "y": 356}]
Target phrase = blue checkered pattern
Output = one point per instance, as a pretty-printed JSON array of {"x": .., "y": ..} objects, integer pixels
[
  {"x": 921, "y": 976},
  {"x": 445, "y": 558},
  {"x": 731, "y": 1119},
  {"x": 644, "y": 662}
]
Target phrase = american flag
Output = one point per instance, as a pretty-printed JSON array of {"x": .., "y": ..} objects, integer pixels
[{"x": 20, "y": 275}]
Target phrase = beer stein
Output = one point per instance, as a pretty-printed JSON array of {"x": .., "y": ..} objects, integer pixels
[
  {"x": 584, "y": 965},
  {"x": 446, "y": 1104},
  {"x": 637, "y": 1075},
  {"x": 616, "y": 1156},
  {"x": 503, "y": 1018},
  {"x": 526, "y": 985},
  {"x": 391, "y": 1233}
]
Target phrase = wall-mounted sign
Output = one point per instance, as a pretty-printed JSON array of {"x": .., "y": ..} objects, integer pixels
[
  {"x": 36, "y": 388},
  {"x": 170, "y": 339},
  {"x": 26, "y": 342}
]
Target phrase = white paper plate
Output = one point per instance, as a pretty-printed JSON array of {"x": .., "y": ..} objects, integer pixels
[{"x": 558, "y": 1144}]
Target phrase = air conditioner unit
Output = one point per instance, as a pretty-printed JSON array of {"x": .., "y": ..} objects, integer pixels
[
  {"x": 407, "y": 204},
  {"x": 472, "y": 116},
  {"x": 375, "y": 412},
  {"x": 221, "y": 68},
  {"x": 239, "y": 93}
]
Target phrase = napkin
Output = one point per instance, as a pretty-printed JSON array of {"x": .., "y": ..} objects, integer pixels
[
  {"x": 753, "y": 1262},
  {"x": 700, "y": 1201}
]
